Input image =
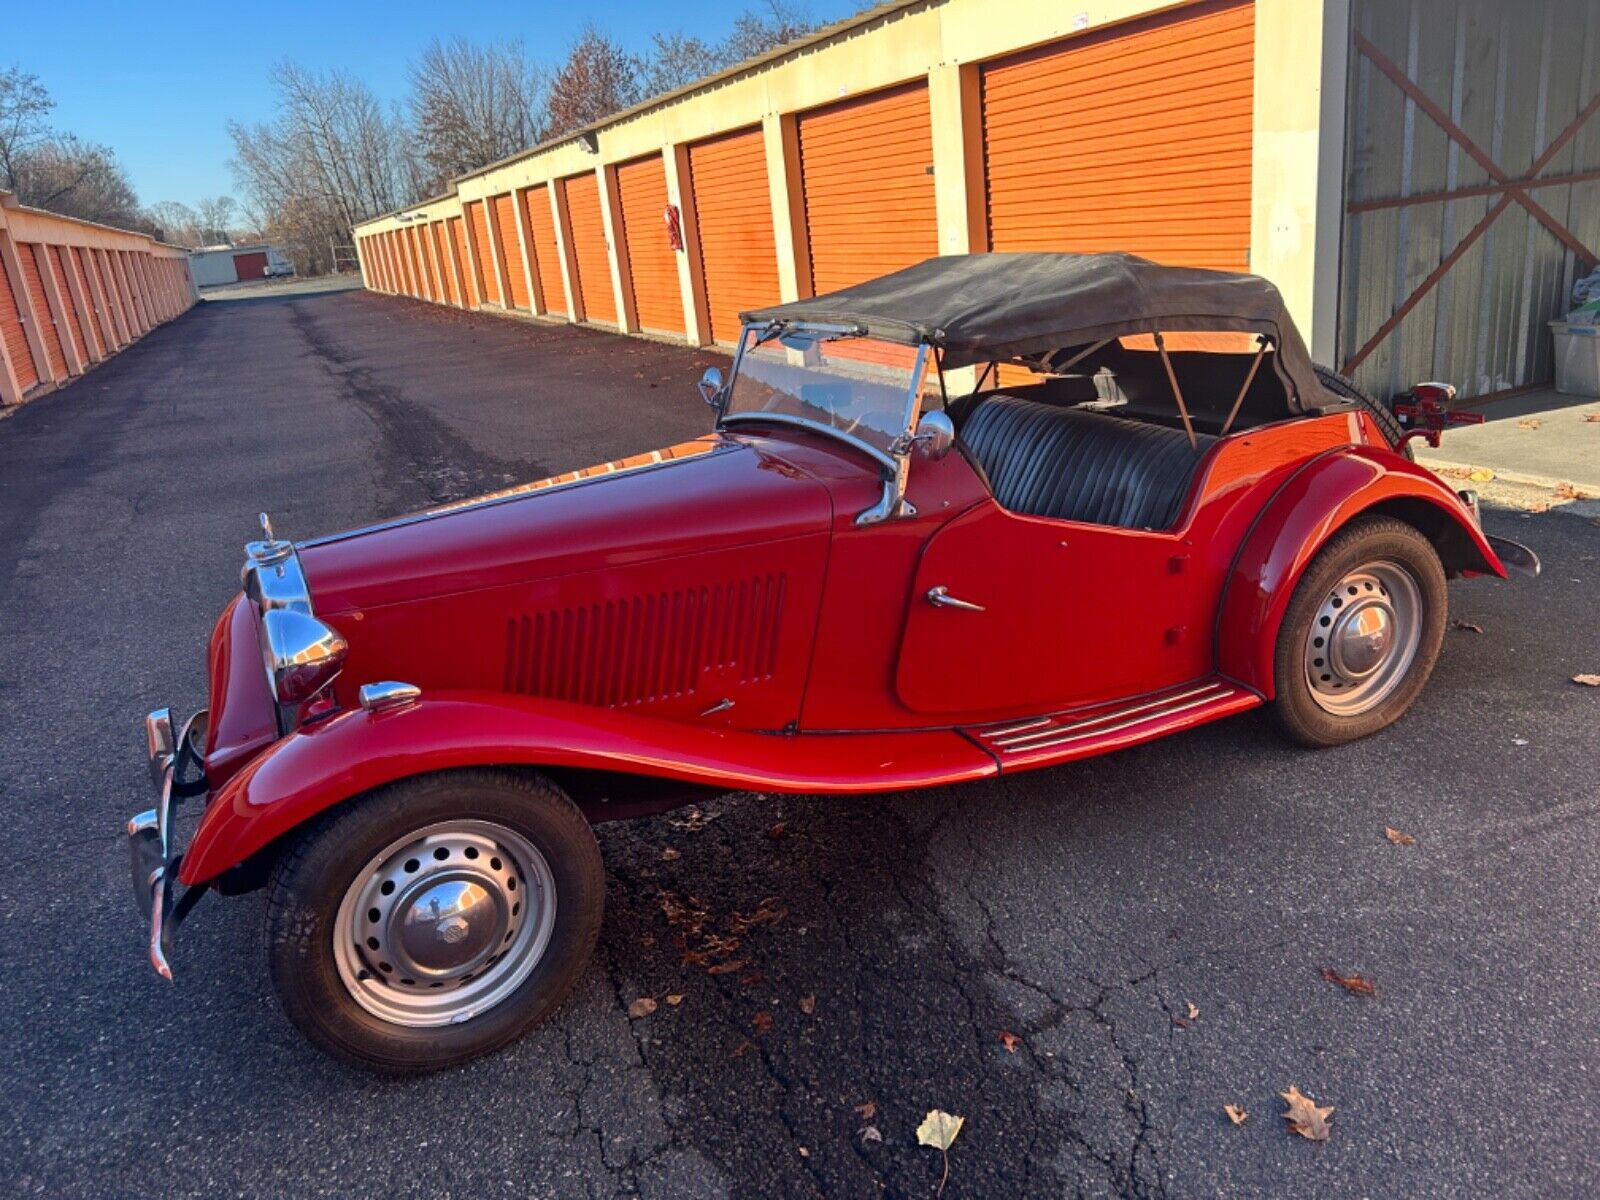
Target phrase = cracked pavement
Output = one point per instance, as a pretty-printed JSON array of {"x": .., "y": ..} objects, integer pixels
[{"x": 1083, "y": 908}]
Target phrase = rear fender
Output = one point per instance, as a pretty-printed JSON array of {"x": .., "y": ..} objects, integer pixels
[
  {"x": 313, "y": 769},
  {"x": 1311, "y": 507}
]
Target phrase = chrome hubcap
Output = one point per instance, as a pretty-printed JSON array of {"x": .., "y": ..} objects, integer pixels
[
  {"x": 1363, "y": 639},
  {"x": 444, "y": 923}
]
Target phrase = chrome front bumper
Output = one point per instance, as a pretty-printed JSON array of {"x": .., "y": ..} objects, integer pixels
[{"x": 150, "y": 835}]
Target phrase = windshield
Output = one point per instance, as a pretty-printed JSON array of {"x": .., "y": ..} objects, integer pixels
[{"x": 855, "y": 386}]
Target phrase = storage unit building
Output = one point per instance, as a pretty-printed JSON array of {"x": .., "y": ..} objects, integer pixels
[
  {"x": 1420, "y": 178},
  {"x": 72, "y": 293}
]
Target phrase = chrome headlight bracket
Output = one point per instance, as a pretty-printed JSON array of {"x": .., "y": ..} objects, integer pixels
[{"x": 301, "y": 655}]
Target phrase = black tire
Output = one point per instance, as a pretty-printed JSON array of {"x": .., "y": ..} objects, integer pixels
[
  {"x": 1385, "y": 543},
  {"x": 1389, "y": 424},
  {"x": 311, "y": 878}
]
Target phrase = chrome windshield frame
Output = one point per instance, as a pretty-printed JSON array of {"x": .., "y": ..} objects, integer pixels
[{"x": 890, "y": 459}]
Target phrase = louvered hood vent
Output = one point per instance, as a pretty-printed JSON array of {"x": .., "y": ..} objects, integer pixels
[{"x": 649, "y": 648}]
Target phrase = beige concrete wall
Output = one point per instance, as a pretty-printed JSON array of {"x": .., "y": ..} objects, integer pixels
[
  {"x": 944, "y": 42},
  {"x": 144, "y": 293}
]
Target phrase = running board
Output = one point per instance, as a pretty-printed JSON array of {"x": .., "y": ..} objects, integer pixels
[{"x": 1083, "y": 732}]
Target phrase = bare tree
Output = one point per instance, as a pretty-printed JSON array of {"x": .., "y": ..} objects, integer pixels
[
  {"x": 766, "y": 27},
  {"x": 473, "y": 105},
  {"x": 598, "y": 78},
  {"x": 24, "y": 104},
  {"x": 330, "y": 158},
  {"x": 215, "y": 216},
  {"x": 76, "y": 178},
  {"x": 175, "y": 222},
  {"x": 675, "y": 60}
]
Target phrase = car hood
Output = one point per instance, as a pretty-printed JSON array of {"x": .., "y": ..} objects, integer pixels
[{"x": 711, "y": 493}]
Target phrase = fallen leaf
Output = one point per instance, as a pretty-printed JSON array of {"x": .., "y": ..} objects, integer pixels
[
  {"x": 1236, "y": 1114},
  {"x": 1565, "y": 491},
  {"x": 1529, "y": 423},
  {"x": 1194, "y": 1011},
  {"x": 1398, "y": 838},
  {"x": 766, "y": 913},
  {"x": 1359, "y": 984},
  {"x": 1466, "y": 626},
  {"x": 1480, "y": 475},
  {"x": 642, "y": 1007},
  {"x": 808, "y": 1005},
  {"x": 778, "y": 831},
  {"x": 1587, "y": 680},
  {"x": 675, "y": 999},
  {"x": 670, "y": 855},
  {"x": 939, "y": 1130},
  {"x": 751, "y": 979},
  {"x": 1304, "y": 1117},
  {"x": 804, "y": 1153},
  {"x": 869, "y": 1133},
  {"x": 1010, "y": 1040},
  {"x": 742, "y": 1047},
  {"x": 867, "y": 1111},
  {"x": 1180, "y": 1022},
  {"x": 1592, "y": 418},
  {"x": 762, "y": 1021},
  {"x": 692, "y": 821},
  {"x": 727, "y": 968},
  {"x": 647, "y": 940}
]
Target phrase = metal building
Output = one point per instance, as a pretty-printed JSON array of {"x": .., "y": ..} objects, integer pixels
[
  {"x": 213, "y": 266},
  {"x": 1473, "y": 188}
]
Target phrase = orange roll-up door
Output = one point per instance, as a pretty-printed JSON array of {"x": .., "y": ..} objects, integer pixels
[
  {"x": 60, "y": 269},
  {"x": 41, "y": 310},
  {"x": 590, "y": 250},
  {"x": 403, "y": 252},
  {"x": 1134, "y": 138},
  {"x": 458, "y": 238},
  {"x": 11, "y": 330},
  {"x": 447, "y": 280},
  {"x": 505, "y": 224},
  {"x": 867, "y": 171},
  {"x": 430, "y": 277},
  {"x": 546, "y": 256},
  {"x": 106, "y": 327},
  {"x": 652, "y": 262},
  {"x": 480, "y": 244},
  {"x": 733, "y": 211}
]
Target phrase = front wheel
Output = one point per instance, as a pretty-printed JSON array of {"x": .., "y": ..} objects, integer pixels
[
  {"x": 435, "y": 919},
  {"x": 1361, "y": 633}
]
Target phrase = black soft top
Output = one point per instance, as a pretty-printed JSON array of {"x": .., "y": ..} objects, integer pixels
[{"x": 979, "y": 308}]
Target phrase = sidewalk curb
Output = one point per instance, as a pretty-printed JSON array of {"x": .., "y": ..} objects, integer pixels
[{"x": 1585, "y": 490}]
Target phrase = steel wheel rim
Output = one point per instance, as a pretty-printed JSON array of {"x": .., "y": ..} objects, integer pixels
[
  {"x": 1363, "y": 638},
  {"x": 444, "y": 923}
]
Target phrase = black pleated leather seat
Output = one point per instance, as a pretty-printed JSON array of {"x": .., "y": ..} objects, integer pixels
[{"x": 1078, "y": 465}]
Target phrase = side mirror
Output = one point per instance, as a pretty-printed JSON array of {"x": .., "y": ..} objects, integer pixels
[
  {"x": 936, "y": 433},
  {"x": 710, "y": 386}
]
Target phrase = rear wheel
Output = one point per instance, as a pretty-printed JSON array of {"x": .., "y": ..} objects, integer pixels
[
  {"x": 435, "y": 919},
  {"x": 1361, "y": 633},
  {"x": 1382, "y": 415}
]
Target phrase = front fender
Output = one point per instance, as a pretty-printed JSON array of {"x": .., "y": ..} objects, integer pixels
[
  {"x": 1315, "y": 503},
  {"x": 311, "y": 770}
]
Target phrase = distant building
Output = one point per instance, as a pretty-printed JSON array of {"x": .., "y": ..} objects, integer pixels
[{"x": 216, "y": 265}]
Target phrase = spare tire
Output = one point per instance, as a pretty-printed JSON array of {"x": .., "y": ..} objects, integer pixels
[{"x": 1382, "y": 415}]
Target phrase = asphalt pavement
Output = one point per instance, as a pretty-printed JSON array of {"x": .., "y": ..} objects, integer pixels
[{"x": 1081, "y": 910}]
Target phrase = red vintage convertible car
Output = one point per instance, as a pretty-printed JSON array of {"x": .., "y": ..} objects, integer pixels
[{"x": 1148, "y": 510}]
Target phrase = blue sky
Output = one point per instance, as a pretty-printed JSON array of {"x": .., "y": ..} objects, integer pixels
[{"x": 158, "y": 83}]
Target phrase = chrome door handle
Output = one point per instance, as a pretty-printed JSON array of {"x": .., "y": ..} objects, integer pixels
[{"x": 940, "y": 597}]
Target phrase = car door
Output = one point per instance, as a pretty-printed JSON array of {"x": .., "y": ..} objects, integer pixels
[{"x": 1014, "y": 615}]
